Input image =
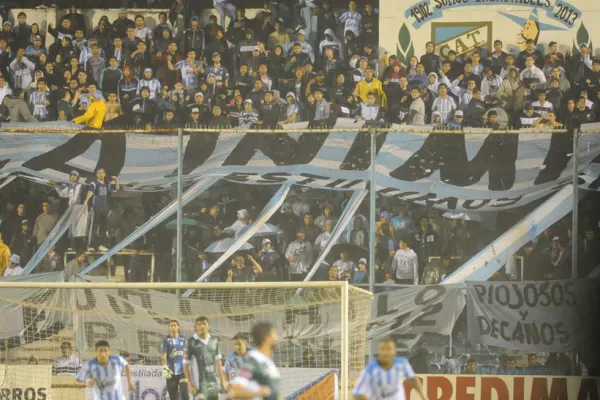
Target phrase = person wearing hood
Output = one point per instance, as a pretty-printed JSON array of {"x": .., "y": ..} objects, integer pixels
[
  {"x": 292, "y": 110},
  {"x": 475, "y": 110},
  {"x": 370, "y": 84},
  {"x": 436, "y": 119},
  {"x": 333, "y": 42},
  {"x": 149, "y": 82},
  {"x": 94, "y": 116},
  {"x": 433, "y": 82},
  {"x": 147, "y": 106},
  {"x": 21, "y": 70},
  {"x": 246, "y": 46},
  {"x": 511, "y": 92},
  {"x": 14, "y": 266},
  {"x": 18, "y": 109},
  {"x": 127, "y": 87}
]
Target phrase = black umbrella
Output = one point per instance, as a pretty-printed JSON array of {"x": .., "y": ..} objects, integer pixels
[{"x": 355, "y": 252}]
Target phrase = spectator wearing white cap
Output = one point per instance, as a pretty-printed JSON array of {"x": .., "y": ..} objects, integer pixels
[
  {"x": 194, "y": 122},
  {"x": 360, "y": 274},
  {"x": 271, "y": 262},
  {"x": 249, "y": 116},
  {"x": 200, "y": 104},
  {"x": 14, "y": 266},
  {"x": 457, "y": 121}
]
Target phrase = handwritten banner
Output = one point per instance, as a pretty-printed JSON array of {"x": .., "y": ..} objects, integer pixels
[{"x": 429, "y": 10}]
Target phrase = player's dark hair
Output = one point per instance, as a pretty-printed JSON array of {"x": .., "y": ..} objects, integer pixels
[
  {"x": 101, "y": 343},
  {"x": 387, "y": 339},
  {"x": 240, "y": 336},
  {"x": 260, "y": 331},
  {"x": 202, "y": 319},
  {"x": 174, "y": 320}
]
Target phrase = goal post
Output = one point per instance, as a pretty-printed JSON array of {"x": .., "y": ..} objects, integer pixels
[{"x": 322, "y": 328}]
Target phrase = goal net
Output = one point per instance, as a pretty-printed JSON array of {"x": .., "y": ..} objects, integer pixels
[{"x": 45, "y": 327}]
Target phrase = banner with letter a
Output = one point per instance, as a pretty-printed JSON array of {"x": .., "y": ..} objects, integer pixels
[{"x": 551, "y": 316}]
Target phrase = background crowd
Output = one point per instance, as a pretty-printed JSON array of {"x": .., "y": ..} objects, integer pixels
[{"x": 271, "y": 70}]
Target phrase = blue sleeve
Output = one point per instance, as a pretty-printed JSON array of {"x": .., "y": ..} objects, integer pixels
[
  {"x": 84, "y": 373},
  {"x": 122, "y": 362}
]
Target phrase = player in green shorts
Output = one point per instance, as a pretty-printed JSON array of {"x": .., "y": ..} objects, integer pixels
[
  {"x": 258, "y": 377},
  {"x": 204, "y": 350}
]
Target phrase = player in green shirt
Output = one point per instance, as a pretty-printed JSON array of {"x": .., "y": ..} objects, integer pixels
[
  {"x": 204, "y": 350},
  {"x": 259, "y": 378}
]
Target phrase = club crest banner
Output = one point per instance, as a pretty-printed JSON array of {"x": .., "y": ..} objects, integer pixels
[{"x": 481, "y": 172}]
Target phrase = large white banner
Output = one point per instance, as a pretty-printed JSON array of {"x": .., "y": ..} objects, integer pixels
[
  {"x": 483, "y": 172},
  {"x": 405, "y": 314},
  {"x": 531, "y": 316}
]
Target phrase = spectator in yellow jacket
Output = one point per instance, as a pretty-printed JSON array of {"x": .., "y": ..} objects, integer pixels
[
  {"x": 370, "y": 84},
  {"x": 4, "y": 256},
  {"x": 94, "y": 116}
]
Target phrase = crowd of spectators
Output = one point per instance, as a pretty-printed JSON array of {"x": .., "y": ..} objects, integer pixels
[
  {"x": 414, "y": 244},
  {"x": 269, "y": 71}
]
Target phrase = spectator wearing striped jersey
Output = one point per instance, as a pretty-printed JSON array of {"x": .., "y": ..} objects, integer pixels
[
  {"x": 248, "y": 117},
  {"x": 444, "y": 104},
  {"x": 151, "y": 83},
  {"x": 384, "y": 377},
  {"x": 234, "y": 360},
  {"x": 67, "y": 364},
  {"x": 142, "y": 32},
  {"x": 189, "y": 70},
  {"x": 40, "y": 100},
  {"x": 352, "y": 19},
  {"x": 542, "y": 106},
  {"x": 528, "y": 117},
  {"x": 219, "y": 71}
]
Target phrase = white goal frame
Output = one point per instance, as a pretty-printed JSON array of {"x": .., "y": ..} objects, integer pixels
[{"x": 343, "y": 286}]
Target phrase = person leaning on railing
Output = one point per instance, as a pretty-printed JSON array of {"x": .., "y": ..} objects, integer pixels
[{"x": 94, "y": 116}]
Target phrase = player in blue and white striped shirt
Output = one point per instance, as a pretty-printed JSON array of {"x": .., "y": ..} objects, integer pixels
[
  {"x": 104, "y": 373},
  {"x": 234, "y": 360},
  {"x": 383, "y": 379},
  {"x": 171, "y": 354}
]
